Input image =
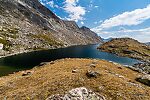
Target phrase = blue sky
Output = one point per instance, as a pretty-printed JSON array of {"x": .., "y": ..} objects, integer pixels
[{"x": 108, "y": 18}]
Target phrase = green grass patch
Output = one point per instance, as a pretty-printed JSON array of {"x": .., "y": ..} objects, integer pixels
[
  {"x": 7, "y": 44},
  {"x": 47, "y": 38},
  {"x": 9, "y": 32}
]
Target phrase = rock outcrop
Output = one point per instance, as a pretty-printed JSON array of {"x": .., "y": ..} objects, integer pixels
[
  {"x": 142, "y": 67},
  {"x": 27, "y": 25},
  {"x": 145, "y": 79},
  {"x": 92, "y": 74},
  {"x": 127, "y": 47},
  {"x": 81, "y": 93}
]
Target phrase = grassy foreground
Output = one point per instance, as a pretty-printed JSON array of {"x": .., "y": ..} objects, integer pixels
[{"x": 115, "y": 82}]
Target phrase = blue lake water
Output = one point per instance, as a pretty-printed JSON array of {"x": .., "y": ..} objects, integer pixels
[{"x": 29, "y": 60}]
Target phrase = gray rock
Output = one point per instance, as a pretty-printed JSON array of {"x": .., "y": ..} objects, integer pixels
[
  {"x": 143, "y": 67},
  {"x": 92, "y": 65},
  {"x": 42, "y": 63},
  {"x": 55, "y": 97},
  {"x": 145, "y": 79},
  {"x": 52, "y": 62},
  {"x": 26, "y": 73},
  {"x": 92, "y": 74},
  {"x": 74, "y": 71},
  {"x": 81, "y": 93}
]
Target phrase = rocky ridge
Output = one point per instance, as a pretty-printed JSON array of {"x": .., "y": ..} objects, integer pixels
[{"x": 27, "y": 25}]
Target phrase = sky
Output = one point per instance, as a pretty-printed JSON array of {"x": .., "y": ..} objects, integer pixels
[{"x": 108, "y": 18}]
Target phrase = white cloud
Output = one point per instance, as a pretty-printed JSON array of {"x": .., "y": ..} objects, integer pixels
[
  {"x": 75, "y": 11},
  {"x": 142, "y": 35},
  {"x": 96, "y": 6},
  {"x": 145, "y": 31},
  {"x": 71, "y": 1},
  {"x": 51, "y": 3},
  {"x": 82, "y": 23},
  {"x": 98, "y": 22},
  {"x": 43, "y": 2},
  {"x": 135, "y": 17}
]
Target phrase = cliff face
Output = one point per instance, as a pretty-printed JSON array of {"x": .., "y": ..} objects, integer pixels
[{"x": 28, "y": 25}]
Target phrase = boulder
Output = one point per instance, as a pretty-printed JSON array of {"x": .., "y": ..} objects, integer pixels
[
  {"x": 92, "y": 74},
  {"x": 143, "y": 67},
  {"x": 145, "y": 79},
  {"x": 52, "y": 62},
  {"x": 81, "y": 93},
  {"x": 92, "y": 65},
  {"x": 26, "y": 73},
  {"x": 74, "y": 71},
  {"x": 55, "y": 97},
  {"x": 42, "y": 63}
]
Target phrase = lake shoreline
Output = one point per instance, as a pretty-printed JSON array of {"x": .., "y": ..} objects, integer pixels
[
  {"x": 143, "y": 61},
  {"x": 30, "y": 59},
  {"x": 126, "y": 47},
  {"x": 28, "y": 51}
]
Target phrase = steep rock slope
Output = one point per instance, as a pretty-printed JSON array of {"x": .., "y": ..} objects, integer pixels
[{"x": 27, "y": 25}]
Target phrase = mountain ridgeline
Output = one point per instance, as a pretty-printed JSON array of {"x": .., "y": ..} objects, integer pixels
[{"x": 27, "y": 25}]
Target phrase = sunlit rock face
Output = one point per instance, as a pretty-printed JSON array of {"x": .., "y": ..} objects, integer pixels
[{"x": 28, "y": 25}]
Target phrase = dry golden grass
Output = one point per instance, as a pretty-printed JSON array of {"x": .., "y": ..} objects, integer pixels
[{"x": 115, "y": 81}]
